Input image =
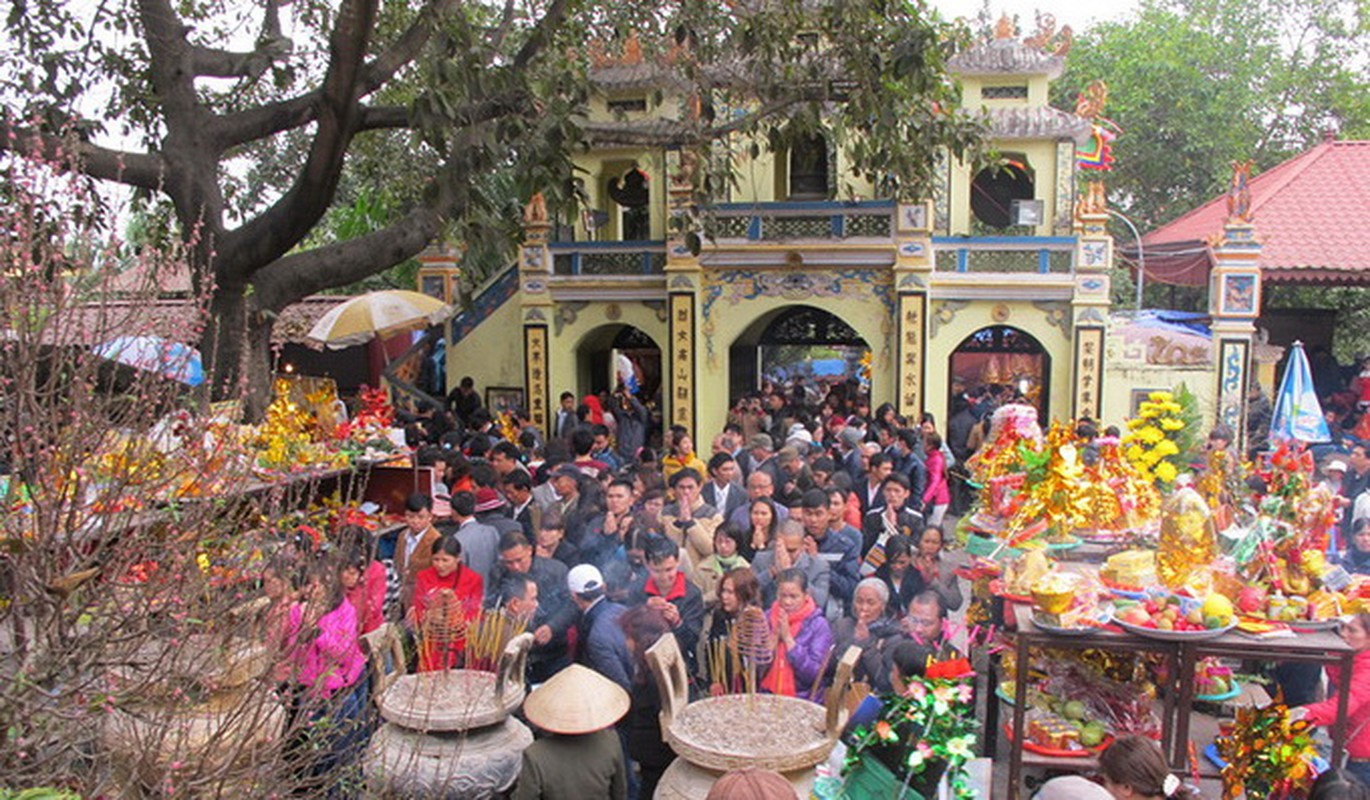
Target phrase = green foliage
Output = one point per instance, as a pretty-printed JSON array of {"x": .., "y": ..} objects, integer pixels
[{"x": 1197, "y": 84}]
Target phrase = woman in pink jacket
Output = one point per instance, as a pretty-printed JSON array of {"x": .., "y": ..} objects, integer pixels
[
  {"x": 937, "y": 495},
  {"x": 1356, "y": 633},
  {"x": 330, "y": 675}
]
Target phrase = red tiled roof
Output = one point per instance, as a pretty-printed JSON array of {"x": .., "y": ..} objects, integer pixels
[{"x": 1312, "y": 218}]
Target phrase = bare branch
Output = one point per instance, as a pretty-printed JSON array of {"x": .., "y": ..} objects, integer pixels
[
  {"x": 299, "y": 275},
  {"x": 143, "y": 170}
]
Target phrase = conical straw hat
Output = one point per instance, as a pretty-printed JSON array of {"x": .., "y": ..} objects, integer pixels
[{"x": 576, "y": 700}]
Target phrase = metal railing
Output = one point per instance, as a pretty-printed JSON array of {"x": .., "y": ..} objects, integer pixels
[{"x": 1043, "y": 255}]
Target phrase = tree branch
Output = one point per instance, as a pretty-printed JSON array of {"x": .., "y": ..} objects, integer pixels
[
  {"x": 405, "y": 49},
  {"x": 299, "y": 275},
  {"x": 271, "y": 234},
  {"x": 379, "y": 117},
  {"x": 208, "y": 62},
  {"x": 541, "y": 34},
  {"x": 267, "y": 120},
  {"x": 143, "y": 170}
]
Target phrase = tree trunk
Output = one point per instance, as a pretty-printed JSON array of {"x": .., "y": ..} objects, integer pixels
[
  {"x": 223, "y": 343},
  {"x": 260, "y": 368}
]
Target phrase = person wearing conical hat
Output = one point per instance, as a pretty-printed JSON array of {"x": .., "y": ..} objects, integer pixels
[{"x": 581, "y": 756}]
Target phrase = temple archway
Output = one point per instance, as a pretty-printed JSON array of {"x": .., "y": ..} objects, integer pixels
[
  {"x": 1001, "y": 356},
  {"x": 797, "y": 341},
  {"x": 613, "y": 353}
]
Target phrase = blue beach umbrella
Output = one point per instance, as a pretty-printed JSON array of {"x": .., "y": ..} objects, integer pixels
[
  {"x": 1298, "y": 414},
  {"x": 172, "y": 360}
]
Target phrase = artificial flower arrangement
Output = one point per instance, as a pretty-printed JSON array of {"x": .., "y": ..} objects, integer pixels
[
  {"x": 928, "y": 731},
  {"x": 1158, "y": 439}
]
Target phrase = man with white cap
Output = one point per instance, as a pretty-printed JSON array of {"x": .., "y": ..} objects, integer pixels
[
  {"x": 581, "y": 756},
  {"x": 602, "y": 646}
]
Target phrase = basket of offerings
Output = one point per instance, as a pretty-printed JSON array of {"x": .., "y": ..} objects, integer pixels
[{"x": 747, "y": 730}]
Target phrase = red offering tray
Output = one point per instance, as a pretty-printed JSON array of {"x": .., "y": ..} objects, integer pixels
[
  {"x": 996, "y": 588},
  {"x": 1052, "y": 752}
]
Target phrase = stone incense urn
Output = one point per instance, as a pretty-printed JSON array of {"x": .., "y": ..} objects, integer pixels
[
  {"x": 717, "y": 734},
  {"x": 450, "y": 734}
]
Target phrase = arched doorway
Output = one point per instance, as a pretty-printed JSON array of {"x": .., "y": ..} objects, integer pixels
[
  {"x": 798, "y": 343},
  {"x": 614, "y": 353},
  {"x": 1001, "y": 357}
]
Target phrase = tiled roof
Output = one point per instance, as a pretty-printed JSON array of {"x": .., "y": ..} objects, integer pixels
[
  {"x": 168, "y": 317},
  {"x": 1312, "y": 217},
  {"x": 1006, "y": 57},
  {"x": 1036, "y": 122}
]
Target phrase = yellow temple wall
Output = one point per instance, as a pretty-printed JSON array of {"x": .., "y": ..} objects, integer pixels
[{"x": 492, "y": 353}]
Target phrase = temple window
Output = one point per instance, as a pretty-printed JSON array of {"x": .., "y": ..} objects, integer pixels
[{"x": 809, "y": 177}]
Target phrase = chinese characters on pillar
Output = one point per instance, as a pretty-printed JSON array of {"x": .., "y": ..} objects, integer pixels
[
  {"x": 911, "y": 315},
  {"x": 1089, "y": 370},
  {"x": 682, "y": 360},
  {"x": 1233, "y": 364},
  {"x": 535, "y": 372}
]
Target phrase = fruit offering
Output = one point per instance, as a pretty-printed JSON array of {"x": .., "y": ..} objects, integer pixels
[
  {"x": 1171, "y": 613},
  {"x": 1065, "y": 725}
]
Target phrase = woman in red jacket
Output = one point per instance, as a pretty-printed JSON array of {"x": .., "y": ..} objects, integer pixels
[
  {"x": 447, "y": 595},
  {"x": 1356, "y": 633}
]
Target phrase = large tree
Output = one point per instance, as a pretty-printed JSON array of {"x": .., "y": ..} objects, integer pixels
[
  {"x": 1197, "y": 84},
  {"x": 472, "y": 88}
]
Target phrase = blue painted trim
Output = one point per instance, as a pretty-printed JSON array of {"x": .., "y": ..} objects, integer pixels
[
  {"x": 1044, "y": 261},
  {"x": 807, "y": 205},
  {"x": 1022, "y": 242},
  {"x": 638, "y": 244},
  {"x": 754, "y": 229},
  {"x": 963, "y": 260},
  {"x": 838, "y": 226}
]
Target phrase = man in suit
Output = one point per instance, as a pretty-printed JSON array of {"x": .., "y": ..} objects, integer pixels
[
  {"x": 870, "y": 490},
  {"x": 518, "y": 490},
  {"x": 566, "y": 417},
  {"x": 414, "y": 551},
  {"x": 722, "y": 491}
]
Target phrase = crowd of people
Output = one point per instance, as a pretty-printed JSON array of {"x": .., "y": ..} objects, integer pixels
[
  {"x": 811, "y": 512},
  {"x": 819, "y": 518}
]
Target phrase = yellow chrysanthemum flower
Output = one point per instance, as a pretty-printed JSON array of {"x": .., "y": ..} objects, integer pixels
[
  {"x": 1166, "y": 471},
  {"x": 1167, "y": 448},
  {"x": 1170, "y": 424}
]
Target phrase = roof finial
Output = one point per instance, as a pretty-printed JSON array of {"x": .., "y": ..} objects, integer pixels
[
  {"x": 1005, "y": 28},
  {"x": 1239, "y": 192}
]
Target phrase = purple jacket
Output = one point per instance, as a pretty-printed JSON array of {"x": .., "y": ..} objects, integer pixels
[{"x": 809, "y": 653}]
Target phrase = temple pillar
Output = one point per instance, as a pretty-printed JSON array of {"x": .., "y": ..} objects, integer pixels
[
  {"x": 913, "y": 265},
  {"x": 1234, "y": 302},
  {"x": 684, "y": 277},
  {"x": 535, "y": 267},
  {"x": 1090, "y": 300}
]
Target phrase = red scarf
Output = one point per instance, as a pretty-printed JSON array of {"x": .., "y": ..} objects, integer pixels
[{"x": 780, "y": 678}]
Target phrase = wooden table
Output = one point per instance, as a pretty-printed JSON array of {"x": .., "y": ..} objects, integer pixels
[{"x": 1320, "y": 647}]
